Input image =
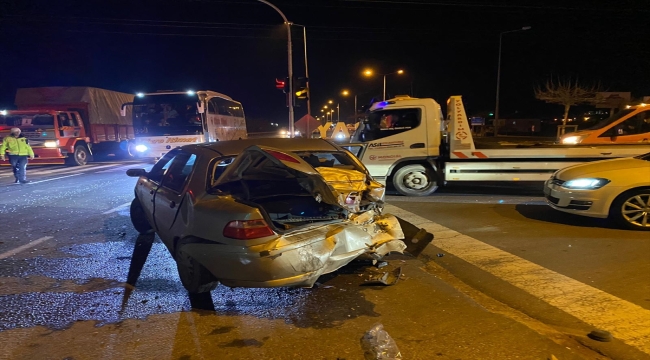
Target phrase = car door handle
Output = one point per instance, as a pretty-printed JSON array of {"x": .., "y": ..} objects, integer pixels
[
  {"x": 172, "y": 204},
  {"x": 417, "y": 146}
]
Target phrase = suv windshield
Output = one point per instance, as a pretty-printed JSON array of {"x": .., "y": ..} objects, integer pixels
[{"x": 611, "y": 119}]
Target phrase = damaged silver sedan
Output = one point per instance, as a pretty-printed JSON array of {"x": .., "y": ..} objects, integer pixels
[{"x": 263, "y": 212}]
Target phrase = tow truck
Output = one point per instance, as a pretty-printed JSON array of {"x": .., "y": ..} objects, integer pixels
[{"x": 407, "y": 142}]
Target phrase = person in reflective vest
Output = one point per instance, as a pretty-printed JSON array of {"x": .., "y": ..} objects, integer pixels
[{"x": 17, "y": 149}]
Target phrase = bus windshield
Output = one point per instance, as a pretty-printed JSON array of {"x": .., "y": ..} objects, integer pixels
[{"x": 166, "y": 114}]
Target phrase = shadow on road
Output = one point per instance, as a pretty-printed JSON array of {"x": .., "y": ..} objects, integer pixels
[{"x": 548, "y": 214}]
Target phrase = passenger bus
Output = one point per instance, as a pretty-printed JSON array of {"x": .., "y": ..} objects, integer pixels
[{"x": 167, "y": 119}]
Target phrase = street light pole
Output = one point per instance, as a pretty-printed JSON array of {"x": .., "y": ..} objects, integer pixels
[
  {"x": 496, "y": 107},
  {"x": 304, "y": 39},
  {"x": 384, "y": 98},
  {"x": 289, "y": 65}
]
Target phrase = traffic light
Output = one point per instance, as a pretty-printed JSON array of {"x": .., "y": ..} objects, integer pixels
[
  {"x": 300, "y": 89},
  {"x": 282, "y": 84},
  {"x": 302, "y": 94}
]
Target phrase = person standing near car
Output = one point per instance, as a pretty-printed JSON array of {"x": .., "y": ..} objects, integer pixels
[{"x": 18, "y": 149}]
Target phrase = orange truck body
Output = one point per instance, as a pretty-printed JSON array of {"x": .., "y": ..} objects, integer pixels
[{"x": 70, "y": 124}]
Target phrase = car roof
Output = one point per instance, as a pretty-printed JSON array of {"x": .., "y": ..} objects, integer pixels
[{"x": 235, "y": 147}]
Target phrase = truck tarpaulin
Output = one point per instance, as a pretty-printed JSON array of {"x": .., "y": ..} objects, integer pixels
[{"x": 103, "y": 106}]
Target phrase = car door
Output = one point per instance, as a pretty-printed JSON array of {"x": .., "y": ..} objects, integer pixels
[
  {"x": 170, "y": 196},
  {"x": 393, "y": 135},
  {"x": 146, "y": 187}
]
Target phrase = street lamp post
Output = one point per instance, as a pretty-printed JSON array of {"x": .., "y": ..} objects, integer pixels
[
  {"x": 496, "y": 107},
  {"x": 289, "y": 64},
  {"x": 304, "y": 39},
  {"x": 346, "y": 93},
  {"x": 369, "y": 72}
]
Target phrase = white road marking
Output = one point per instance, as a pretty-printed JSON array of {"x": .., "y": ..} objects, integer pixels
[
  {"x": 56, "y": 178},
  {"x": 24, "y": 247},
  {"x": 116, "y": 208},
  {"x": 624, "y": 320}
]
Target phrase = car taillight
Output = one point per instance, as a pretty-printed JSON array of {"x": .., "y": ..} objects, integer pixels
[
  {"x": 247, "y": 229},
  {"x": 282, "y": 156}
]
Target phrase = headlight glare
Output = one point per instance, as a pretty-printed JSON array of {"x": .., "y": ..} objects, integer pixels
[
  {"x": 572, "y": 140},
  {"x": 141, "y": 148},
  {"x": 51, "y": 144},
  {"x": 585, "y": 183}
]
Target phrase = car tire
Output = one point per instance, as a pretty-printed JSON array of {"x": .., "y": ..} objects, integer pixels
[
  {"x": 629, "y": 211},
  {"x": 138, "y": 218},
  {"x": 80, "y": 156},
  {"x": 415, "y": 180},
  {"x": 196, "y": 279}
]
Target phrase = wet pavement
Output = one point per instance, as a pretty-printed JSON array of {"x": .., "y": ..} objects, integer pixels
[{"x": 96, "y": 289}]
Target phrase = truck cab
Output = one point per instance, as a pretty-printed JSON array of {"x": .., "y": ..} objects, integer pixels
[
  {"x": 629, "y": 126},
  {"x": 51, "y": 134},
  {"x": 402, "y": 138}
]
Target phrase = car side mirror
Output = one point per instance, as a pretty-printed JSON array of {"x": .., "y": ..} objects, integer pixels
[{"x": 136, "y": 172}]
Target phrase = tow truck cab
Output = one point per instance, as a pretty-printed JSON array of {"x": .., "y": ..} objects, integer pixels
[{"x": 403, "y": 138}]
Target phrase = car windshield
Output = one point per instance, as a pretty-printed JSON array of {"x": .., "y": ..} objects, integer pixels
[
  {"x": 645, "y": 157},
  {"x": 611, "y": 119}
]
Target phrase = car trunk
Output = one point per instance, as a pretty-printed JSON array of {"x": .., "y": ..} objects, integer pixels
[{"x": 292, "y": 193}]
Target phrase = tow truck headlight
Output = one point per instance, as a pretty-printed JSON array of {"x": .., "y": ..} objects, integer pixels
[
  {"x": 572, "y": 140},
  {"x": 51, "y": 144},
  {"x": 141, "y": 148},
  {"x": 585, "y": 183}
]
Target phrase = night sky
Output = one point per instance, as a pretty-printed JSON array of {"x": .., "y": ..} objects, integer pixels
[{"x": 446, "y": 47}]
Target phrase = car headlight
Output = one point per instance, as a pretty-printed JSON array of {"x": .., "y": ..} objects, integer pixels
[
  {"x": 585, "y": 183},
  {"x": 141, "y": 148},
  {"x": 572, "y": 140},
  {"x": 51, "y": 144}
]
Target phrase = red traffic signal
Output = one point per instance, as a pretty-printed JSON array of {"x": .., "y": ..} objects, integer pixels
[{"x": 281, "y": 84}]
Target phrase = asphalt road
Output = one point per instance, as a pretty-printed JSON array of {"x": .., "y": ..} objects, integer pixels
[{"x": 505, "y": 278}]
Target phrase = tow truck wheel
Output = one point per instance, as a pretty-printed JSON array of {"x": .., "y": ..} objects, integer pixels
[
  {"x": 631, "y": 209},
  {"x": 138, "y": 218},
  {"x": 415, "y": 180},
  {"x": 195, "y": 277},
  {"x": 80, "y": 156}
]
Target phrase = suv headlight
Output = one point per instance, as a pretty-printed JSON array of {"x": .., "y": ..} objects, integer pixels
[
  {"x": 585, "y": 183},
  {"x": 572, "y": 140}
]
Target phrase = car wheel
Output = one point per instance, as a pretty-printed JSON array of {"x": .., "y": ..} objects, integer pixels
[
  {"x": 415, "y": 180},
  {"x": 195, "y": 277},
  {"x": 631, "y": 209},
  {"x": 80, "y": 156},
  {"x": 138, "y": 218}
]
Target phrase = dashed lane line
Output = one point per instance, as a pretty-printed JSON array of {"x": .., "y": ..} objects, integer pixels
[
  {"x": 624, "y": 320},
  {"x": 116, "y": 208},
  {"x": 24, "y": 247},
  {"x": 56, "y": 178}
]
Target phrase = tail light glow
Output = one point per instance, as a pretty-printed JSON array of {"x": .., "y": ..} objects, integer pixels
[{"x": 247, "y": 229}]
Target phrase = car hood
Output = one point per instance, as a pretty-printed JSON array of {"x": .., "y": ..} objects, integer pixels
[
  {"x": 588, "y": 169},
  {"x": 345, "y": 188}
]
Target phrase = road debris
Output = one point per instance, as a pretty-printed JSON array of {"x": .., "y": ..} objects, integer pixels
[
  {"x": 386, "y": 279},
  {"x": 377, "y": 344},
  {"x": 600, "y": 335}
]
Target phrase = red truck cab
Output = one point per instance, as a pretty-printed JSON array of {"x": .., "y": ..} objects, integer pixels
[{"x": 51, "y": 134}]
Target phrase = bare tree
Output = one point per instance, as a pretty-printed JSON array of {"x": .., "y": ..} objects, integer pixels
[{"x": 568, "y": 92}]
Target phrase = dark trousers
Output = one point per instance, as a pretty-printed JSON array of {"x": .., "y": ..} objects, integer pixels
[{"x": 19, "y": 166}]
